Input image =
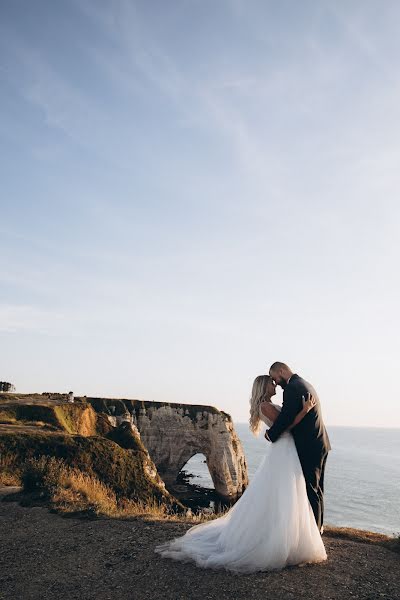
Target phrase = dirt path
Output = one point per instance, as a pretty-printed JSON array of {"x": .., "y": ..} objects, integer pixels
[{"x": 47, "y": 557}]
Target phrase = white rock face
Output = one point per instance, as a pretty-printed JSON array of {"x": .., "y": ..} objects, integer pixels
[{"x": 174, "y": 433}]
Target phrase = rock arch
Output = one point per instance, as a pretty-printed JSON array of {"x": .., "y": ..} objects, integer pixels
[{"x": 173, "y": 433}]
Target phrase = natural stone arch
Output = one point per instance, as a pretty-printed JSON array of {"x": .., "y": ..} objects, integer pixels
[{"x": 173, "y": 433}]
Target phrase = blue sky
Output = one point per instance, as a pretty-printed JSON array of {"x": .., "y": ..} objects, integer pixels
[{"x": 192, "y": 190}]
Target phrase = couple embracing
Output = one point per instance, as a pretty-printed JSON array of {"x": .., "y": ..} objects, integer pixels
[{"x": 278, "y": 521}]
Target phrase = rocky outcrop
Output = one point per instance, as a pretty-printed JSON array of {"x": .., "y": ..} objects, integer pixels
[
  {"x": 170, "y": 434},
  {"x": 31, "y": 428},
  {"x": 173, "y": 433}
]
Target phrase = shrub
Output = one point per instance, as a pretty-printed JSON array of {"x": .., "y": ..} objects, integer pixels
[
  {"x": 81, "y": 492},
  {"x": 10, "y": 473},
  {"x": 67, "y": 488},
  {"x": 44, "y": 474}
]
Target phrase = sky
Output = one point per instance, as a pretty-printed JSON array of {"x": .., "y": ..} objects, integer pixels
[{"x": 191, "y": 190}]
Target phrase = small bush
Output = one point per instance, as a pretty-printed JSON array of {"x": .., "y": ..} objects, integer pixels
[
  {"x": 7, "y": 415},
  {"x": 67, "y": 488},
  {"x": 123, "y": 471},
  {"x": 155, "y": 510},
  {"x": 81, "y": 492},
  {"x": 9, "y": 471},
  {"x": 44, "y": 473}
]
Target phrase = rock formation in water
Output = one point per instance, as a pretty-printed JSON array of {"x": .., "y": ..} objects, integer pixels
[{"x": 173, "y": 433}]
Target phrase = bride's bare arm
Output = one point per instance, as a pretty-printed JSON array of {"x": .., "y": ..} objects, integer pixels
[{"x": 272, "y": 413}]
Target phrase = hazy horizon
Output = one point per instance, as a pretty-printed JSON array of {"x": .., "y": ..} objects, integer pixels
[{"x": 194, "y": 190}]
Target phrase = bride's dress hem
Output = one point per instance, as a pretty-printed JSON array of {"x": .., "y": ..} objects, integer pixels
[
  {"x": 162, "y": 549},
  {"x": 270, "y": 527}
]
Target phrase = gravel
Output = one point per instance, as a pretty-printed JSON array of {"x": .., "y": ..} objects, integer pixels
[{"x": 44, "y": 556}]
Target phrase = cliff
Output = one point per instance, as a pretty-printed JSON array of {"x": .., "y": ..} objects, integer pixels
[
  {"x": 161, "y": 436},
  {"x": 31, "y": 428},
  {"x": 173, "y": 433}
]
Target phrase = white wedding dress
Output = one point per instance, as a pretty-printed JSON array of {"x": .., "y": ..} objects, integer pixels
[{"x": 271, "y": 525}]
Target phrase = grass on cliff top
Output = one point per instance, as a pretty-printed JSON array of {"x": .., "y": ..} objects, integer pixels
[
  {"x": 121, "y": 470},
  {"x": 76, "y": 419},
  {"x": 28, "y": 413},
  {"x": 10, "y": 473},
  {"x": 103, "y": 405},
  {"x": 5, "y": 398},
  {"x": 69, "y": 491},
  {"x": 366, "y": 537},
  {"x": 122, "y": 404},
  {"x": 85, "y": 441},
  {"x": 49, "y": 481}
]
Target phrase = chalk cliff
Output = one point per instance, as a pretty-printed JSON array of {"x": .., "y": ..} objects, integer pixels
[
  {"x": 173, "y": 433},
  {"x": 33, "y": 426},
  {"x": 170, "y": 434}
]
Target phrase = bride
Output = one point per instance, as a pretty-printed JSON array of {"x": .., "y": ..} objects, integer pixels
[{"x": 272, "y": 524}]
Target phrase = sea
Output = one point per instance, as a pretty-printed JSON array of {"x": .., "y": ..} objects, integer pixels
[{"x": 362, "y": 477}]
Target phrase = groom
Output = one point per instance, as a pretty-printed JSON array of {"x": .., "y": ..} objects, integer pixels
[{"x": 310, "y": 435}]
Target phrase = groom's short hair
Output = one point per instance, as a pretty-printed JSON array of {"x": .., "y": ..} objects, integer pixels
[{"x": 278, "y": 365}]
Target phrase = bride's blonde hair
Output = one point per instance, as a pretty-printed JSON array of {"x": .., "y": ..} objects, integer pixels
[{"x": 258, "y": 395}]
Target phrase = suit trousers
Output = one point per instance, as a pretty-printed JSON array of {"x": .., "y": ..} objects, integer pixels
[{"x": 314, "y": 472}]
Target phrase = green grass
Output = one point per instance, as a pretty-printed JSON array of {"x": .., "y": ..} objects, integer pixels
[
  {"x": 366, "y": 537},
  {"x": 27, "y": 413},
  {"x": 113, "y": 457},
  {"x": 10, "y": 472},
  {"x": 49, "y": 481},
  {"x": 103, "y": 405},
  {"x": 125, "y": 437},
  {"x": 121, "y": 405},
  {"x": 81, "y": 437},
  {"x": 67, "y": 416},
  {"x": 122, "y": 470},
  {"x": 71, "y": 418}
]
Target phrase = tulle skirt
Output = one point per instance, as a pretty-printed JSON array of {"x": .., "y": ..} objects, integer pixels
[{"x": 271, "y": 526}]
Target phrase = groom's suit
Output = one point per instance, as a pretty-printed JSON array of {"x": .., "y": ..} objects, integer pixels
[{"x": 310, "y": 437}]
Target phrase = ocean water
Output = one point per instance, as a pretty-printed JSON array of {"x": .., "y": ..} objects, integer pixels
[{"x": 362, "y": 477}]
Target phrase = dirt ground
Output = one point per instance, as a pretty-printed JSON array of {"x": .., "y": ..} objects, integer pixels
[{"x": 44, "y": 556}]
